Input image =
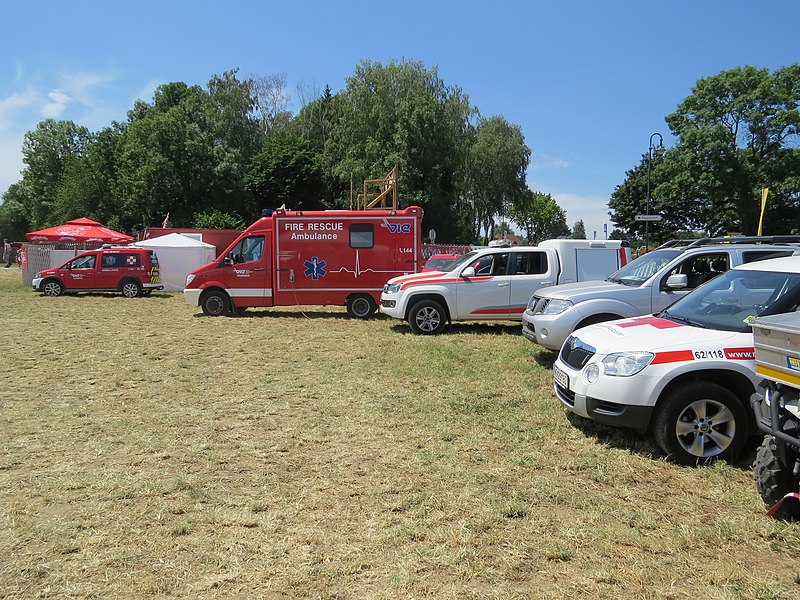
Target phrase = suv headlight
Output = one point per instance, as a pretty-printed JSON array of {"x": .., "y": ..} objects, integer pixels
[
  {"x": 625, "y": 364},
  {"x": 391, "y": 288},
  {"x": 556, "y": 307},
  {"x": 189, "y": 279}
]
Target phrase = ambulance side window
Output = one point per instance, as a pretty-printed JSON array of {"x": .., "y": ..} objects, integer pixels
[{"x": 362, "y": 235}]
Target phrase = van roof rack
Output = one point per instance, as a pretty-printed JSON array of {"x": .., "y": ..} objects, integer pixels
[{"x": 739, "y": 239}]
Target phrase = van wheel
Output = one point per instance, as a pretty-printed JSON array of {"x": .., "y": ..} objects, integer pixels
[
  {"x": 361, "y": 306},
  {"x": 700, "y": 422},
  {"x": 52, "y": 287},
  {"x": 774, "y": 480},
  {"x": 427, "y": 317},
  {"x": 215, "y": 304},
  {"x": 131, "y": 288}
]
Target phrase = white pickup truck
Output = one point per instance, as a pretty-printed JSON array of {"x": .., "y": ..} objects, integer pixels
[{"x": 497, "y": 283}]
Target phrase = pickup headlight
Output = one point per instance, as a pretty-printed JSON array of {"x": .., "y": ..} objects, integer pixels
[
  {"x": 625, "y": 364},
  {"x": 189, "y": 279},
  {"x": 391, "y": 288},
  {"x": 556, "y": 307}
]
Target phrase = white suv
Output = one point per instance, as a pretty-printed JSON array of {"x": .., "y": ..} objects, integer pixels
[{"x": 685, "y": 374}]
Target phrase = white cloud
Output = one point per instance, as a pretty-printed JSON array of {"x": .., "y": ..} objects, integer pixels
[
  {"x": 541, "y": 162},
  {"x": 59, "y": 101},
  {"x": 592, "y": 210},
  {"x": 13, "y": 105},
  {"x": 147, "y": 92}
]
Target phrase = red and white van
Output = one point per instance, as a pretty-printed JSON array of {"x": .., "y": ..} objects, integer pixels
[
  {"x": 125, "y": 269},
  {"x": 292, "y": 257}
]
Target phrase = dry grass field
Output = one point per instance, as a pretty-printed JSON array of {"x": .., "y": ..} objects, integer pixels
[{"x": 149, "y": 452}]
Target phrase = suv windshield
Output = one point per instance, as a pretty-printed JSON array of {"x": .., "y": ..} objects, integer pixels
[
  {"x": 643, "y": 268},
  {"x": 730, "y": 301}
]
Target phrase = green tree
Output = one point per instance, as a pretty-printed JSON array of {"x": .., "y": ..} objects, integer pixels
[
  {"x": 285, "y": 172},
  {"x": 48, "y": 152},
  {"x": 579, "y": 230},
  {"x": 498, "y": 159},
  {"x": 539, "y": 215},
  {"x": 736, "y": 134},
  {"x": 403, "y": 114},
  {"x": 215, "y": 219}
]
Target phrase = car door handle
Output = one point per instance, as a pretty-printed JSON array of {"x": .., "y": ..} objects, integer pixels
[
  {"x": 502, "y": 284},
  {"x": 259, "y": 269}
]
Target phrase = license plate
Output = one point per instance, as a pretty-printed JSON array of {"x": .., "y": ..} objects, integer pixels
[{"x": 560, "y": 377}]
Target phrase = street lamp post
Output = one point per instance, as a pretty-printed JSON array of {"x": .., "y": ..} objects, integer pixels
[{"x": 658, "y": 151}]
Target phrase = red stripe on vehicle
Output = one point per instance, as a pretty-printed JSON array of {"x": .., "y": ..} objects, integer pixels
[
  {"x": 503, "y": 310},
  {"x": 672, "y": 356},
  {"x": 654, "y": 321},
  {"x": 740, "y": 353},
  {"x": 408, "y": 284},
  {"x": 623, "y": 257}
]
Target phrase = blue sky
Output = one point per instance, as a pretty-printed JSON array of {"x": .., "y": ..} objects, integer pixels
[{"x": 587, "y": 81}]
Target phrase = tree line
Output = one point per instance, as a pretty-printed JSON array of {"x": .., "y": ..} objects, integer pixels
[{"x": 216, "y": 156}]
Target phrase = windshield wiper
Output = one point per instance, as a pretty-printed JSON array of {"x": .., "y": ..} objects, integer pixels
[{"x": 665, "y": 315}]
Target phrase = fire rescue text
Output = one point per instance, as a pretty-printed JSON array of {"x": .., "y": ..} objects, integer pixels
[{"x": 314, "y": 230}]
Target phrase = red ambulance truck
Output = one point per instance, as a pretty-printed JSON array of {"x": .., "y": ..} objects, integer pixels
[{"x": 332, "y": 257}]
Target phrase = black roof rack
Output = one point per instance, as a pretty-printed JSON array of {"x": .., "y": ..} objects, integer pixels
[{"x": 738, "y": 239}]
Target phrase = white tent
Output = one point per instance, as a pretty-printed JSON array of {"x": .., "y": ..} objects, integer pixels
[{"x": 178, "y": 255}]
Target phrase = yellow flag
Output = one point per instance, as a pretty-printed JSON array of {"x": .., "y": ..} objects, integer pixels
[{"x": 764, "y": 192}]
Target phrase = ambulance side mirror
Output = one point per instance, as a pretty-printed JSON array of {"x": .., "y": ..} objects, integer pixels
[
  {"x": 227, "y": 261},
  {"x": 468, "y": 272}
]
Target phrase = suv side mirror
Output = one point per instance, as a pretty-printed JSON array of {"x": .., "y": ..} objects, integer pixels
[
  {"x": 677, "y": 281},
  {"x": 468, "y": 272}
]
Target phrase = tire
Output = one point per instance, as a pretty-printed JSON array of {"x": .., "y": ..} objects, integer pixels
[
  {"x": 361, "y": 306},
  {"x": 215, "y": 304},
  {"x": 699, "y": 423},
  {"x": 52, "y": 287},
  {"x": 131, "y": 288},
  {"x": 427, "y": 317},
  {"x": 774, "y": 480}
]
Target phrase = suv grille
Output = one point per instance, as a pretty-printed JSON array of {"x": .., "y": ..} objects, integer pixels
[{"x": 575, "y": 353}]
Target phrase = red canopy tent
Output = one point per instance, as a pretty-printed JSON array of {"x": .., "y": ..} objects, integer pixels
[{"x": 79, "y": 230}]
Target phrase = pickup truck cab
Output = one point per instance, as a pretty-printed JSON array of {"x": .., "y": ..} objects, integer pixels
[
  {"x": 685, "y": 374},
  {"x": 647, "y": 285},
  {"x": 496, "y": 283}
]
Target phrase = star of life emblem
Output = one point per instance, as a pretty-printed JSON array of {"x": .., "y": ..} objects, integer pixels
[{"x": 315, "y": 268}]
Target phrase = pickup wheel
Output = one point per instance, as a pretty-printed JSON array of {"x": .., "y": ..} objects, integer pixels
[
  {"x": 700, "y": 422},
  {"x": 52, "y": 287},
  {"x": 774, "y": 480},
  {"x": 130, "y": 288},
  {"x": 361, "y": 306},
  {"x": 427, "y": 317},
  {"x": 215, "y": 303}
]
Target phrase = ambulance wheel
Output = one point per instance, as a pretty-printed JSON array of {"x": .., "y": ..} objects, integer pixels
[
  {"x": 361, "y": 306},
  {"x": 700, "y": 422},
  {"x": 427, "y": 317},
  {"x": 215, "y": 304},
  {"x": 131, "y": 288},
  {"x": 774, "y": 480},
  {"x": 52, "y": 287}
]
